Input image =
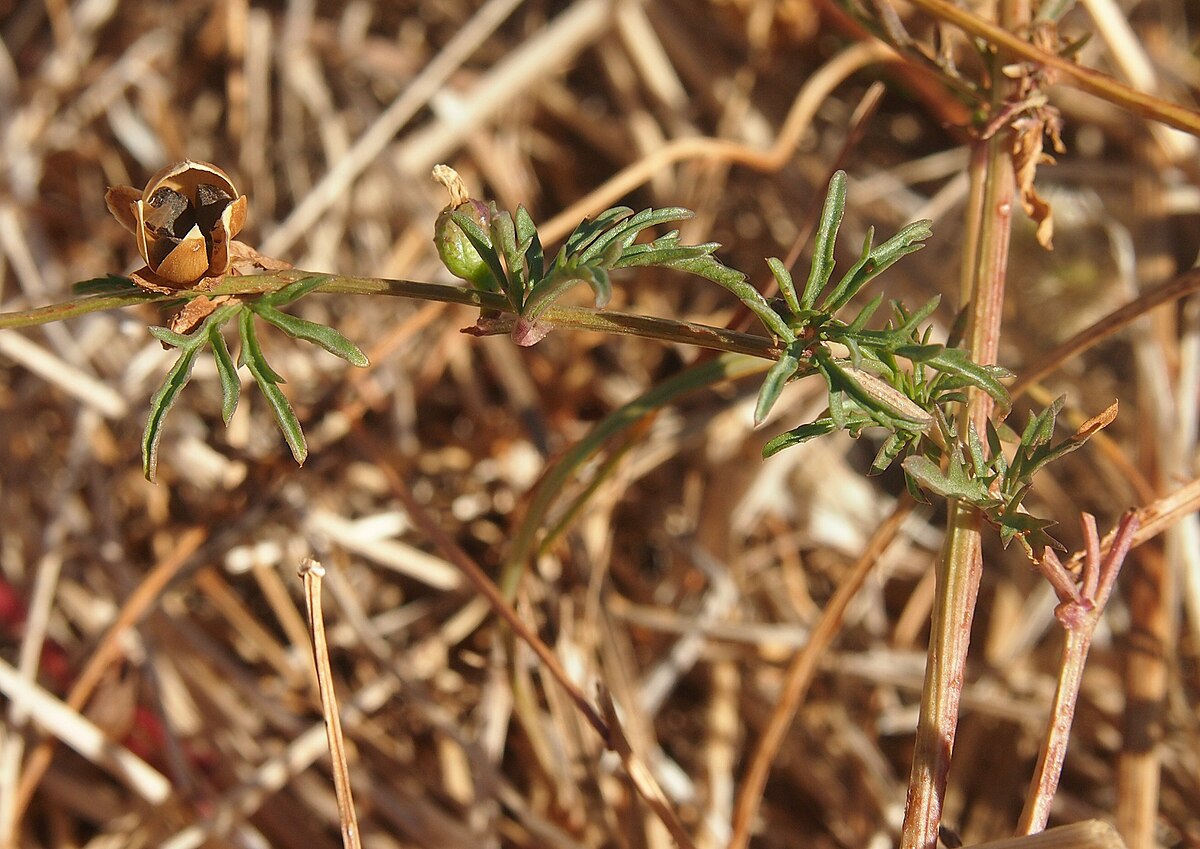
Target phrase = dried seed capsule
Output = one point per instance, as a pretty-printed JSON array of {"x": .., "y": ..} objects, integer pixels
[{"x": 183, "y": 220}]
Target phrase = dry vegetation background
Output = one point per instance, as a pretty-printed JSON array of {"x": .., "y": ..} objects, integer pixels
[{"x": 695, "y": 570}]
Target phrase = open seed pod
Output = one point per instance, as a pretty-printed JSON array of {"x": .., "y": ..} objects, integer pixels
[{"x": 183, "y": 220}]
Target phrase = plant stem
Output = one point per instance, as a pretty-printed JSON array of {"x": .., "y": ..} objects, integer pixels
[
  {"x": 959, "y": 570},
  {"x": 1054, "y": 748},
  {"x": 985, "y": 263},
  {"x": 1085, "y": 79},
  {"x": 73, "y": 309},
  {"x": 579, "y": 318}
]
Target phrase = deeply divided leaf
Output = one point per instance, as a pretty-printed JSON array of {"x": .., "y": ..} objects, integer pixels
[
  {"x": 162, "y": 402},
  {"x": 231, "y": 387},
  {"x": 310, "y": 331},
  {"x": 826, "y": 240},
  {"x": 268, "y": 383}
]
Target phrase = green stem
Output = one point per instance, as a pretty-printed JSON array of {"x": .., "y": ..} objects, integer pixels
[
  {"x": 985, "y": 264},
  {"x": 579, "y": 318},
  {"x": 74, "y": 309}
]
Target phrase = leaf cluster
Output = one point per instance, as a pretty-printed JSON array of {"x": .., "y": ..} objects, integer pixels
[
  {"x": 209, "y": 335},
  {"x": 997, "y": 484},
  {"x": 893, "y": 377},
  {"x": 513, "y": 263}
]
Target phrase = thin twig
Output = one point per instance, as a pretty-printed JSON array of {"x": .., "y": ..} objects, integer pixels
[
  {"x": 557, "y": 315},
  {"x": 311, "y": 571},
  {"x": 1181, "y": 287},
  {"x": 1085, "y": 79},
  {"x": 1079, "y": 613},
  {"x": 800, "y": 675},
  {"x": 479, "y": 579}
]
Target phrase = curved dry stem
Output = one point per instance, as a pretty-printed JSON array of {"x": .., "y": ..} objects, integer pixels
[
  {"x": 819, "y": 86},
  {"x": 1182, "y": 286},
  {"x": 800, "y": 674},
  {"x": 1085, "y": 79}
]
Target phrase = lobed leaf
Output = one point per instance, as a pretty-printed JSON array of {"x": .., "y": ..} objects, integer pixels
[
  {"x": 231, "y": 386},
  {"x": 590, "y": 229},
  {"x": 955, "y": 482},
  {"x": 310, "y": 331},
  {"x": 625, "y": 232},
  {"x": 162, "y": 402},
  {"x": 825, "y": 241},
  {"x": 268, "y": 383}
]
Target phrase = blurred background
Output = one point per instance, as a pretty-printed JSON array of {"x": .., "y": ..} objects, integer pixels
[{"x": 693, "y": 570}]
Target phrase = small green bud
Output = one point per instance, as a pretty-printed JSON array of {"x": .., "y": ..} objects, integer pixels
[{"x": 456, "y": 251}]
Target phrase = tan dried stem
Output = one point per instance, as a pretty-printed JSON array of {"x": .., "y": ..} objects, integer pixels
[
  {"x": 800, "y": 675},
  {"x": 311, "y": 571}
]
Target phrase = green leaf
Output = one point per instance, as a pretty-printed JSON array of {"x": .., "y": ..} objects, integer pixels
[
  {"x": 162, "y": 402},
  {"x": 773, "y": 384},
  {"x": 891, "y": 448},
  {"x": 826, "y": 238},
  {"x": 294, "y": 291},
  {"x": 955, "y": 361},
  {"x": 482, "y": 242},
  {"x": 310, "y": 331},
  {"x": 231, "y": 387},
  {"x": 660, "y": 253},
  {"x": 627, "y": 231},
  {"x": 711, "y": 269},
  {"x": 268, "y": 381},
  {"x": 846, "y": 289},
  {"x": 909, "y": 239},
  {"x": 504, "y": 238},
  {"x": 787, "y": 286},
  {"x": 955, "y": 482},
  {"x": 530, "y": 245},
  {"x": 1029, "y": 529},
  {"x": 111, "y": 284},
  {"x": 798, "y": 435},
  {"x": 590, "y": 229},
  {"x": 170, "y": 337},
  {"x": 908, "y": 322},
  {"x": 562, "y": 277},
  {"x": 864, "y": 315},
  {"x": 879, "y": 399}
]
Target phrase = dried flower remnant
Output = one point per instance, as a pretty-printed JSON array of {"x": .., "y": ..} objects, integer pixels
[
  {"x": 460, "y": 257},
  {"x": 184, "y": 221}
]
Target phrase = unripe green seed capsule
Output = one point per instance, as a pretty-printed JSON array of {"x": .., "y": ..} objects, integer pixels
[
  {"x": 887, "y": 396},
  {"x": 456, "y": 251}
]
